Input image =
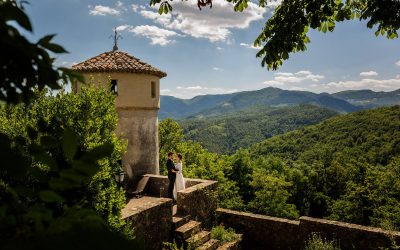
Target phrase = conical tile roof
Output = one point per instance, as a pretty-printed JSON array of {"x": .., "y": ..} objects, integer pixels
[{"x": 117, "y": 61}]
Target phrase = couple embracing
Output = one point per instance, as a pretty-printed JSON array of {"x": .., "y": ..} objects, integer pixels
[{"x": 175, "y": 176}]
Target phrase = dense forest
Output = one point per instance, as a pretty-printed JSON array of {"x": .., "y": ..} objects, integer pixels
[
  {"x": 229, "y": 132},
  {"x": 345, "y": 168}
]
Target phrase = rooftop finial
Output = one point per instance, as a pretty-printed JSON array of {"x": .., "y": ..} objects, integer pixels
[{"x": 115, "y": 37}]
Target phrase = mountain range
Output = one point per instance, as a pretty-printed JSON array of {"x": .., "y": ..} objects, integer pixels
[{"x": 211, "y": 105}]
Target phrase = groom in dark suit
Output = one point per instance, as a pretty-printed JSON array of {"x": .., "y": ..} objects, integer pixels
[{"x": 171, "y": 174}]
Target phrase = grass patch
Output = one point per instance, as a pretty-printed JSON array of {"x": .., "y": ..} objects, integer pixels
[{"x": 224, "y": 235}]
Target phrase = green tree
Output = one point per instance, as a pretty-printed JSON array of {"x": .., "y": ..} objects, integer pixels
[
  {"x": 286, "y": 31},
  {"x": 88, "y": 120},
  {"x": 271, "y": 195},
  {"x": 170, "y": 137},
  {"x": 241, "y": 172}
]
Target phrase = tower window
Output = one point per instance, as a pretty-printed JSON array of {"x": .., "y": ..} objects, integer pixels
[
  {"x": 114, "y": 87},
  {"x": 153, "y": 89}
]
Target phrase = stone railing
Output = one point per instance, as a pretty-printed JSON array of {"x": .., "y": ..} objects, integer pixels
[
  {"x": 198, "y": 199},
  {"x": 265, "y": 232}
]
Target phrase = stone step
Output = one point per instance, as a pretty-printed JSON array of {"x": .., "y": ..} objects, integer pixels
[
  {"x": 180, "y": 220},
  {"x": 198, "y": 239},
  {"x": 185, "y": 231},
  {"x": 233, "y": 245},
  {"x": 209, "y": 245}
]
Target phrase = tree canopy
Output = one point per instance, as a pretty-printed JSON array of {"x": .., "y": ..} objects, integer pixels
[{"x": 286, "y": 31}]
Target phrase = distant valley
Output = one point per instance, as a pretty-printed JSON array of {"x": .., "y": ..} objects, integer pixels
[{"x": 213, "y": 105}]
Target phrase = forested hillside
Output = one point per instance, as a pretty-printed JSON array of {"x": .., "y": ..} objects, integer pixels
[
  {"x": 370, "y": 99},
  {"x": 214, "y": 105},
  {"x": 229, "y": 132},
  {"x": 345, "y": 168}
]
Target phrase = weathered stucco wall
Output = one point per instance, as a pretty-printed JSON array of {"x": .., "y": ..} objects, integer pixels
[
  {"x": 140, "y": 128},
  {"x": 265, "y": 232},
  {"x": 134, "y": 90}
]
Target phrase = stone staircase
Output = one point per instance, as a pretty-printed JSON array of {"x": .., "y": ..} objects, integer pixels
[{"x": 188, "y": 232}]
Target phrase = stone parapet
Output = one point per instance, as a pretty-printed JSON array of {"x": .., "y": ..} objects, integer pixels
[
  {"x": 151, "y": 219},
  {"x": 262, "y": 232},
  {"x": 265, "y": 232},
  {"x": 199, "y": 199}
]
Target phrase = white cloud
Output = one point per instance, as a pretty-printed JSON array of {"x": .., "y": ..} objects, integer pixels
[
  {"x": 135, "y": 7},
  {"x": 187, "y": 92},
  {"x": 165, "y": 91},
  {"x": 66, "y": 64},
  {"x": 249, "y": 46},
  {"x": 398, "y": 63},
  {"x": 157, "y": 35},
  {"x": 214, "y": 25},
  {"x": 219, "y": 48},
  {"x": 102, "y": 10},
  {"x": 124, "y": 27},
  {"x": 369, "y": 73},
  {"x": 373, "y": 84},
  {"x": 282, "y": 79},
  {"x": 216, "y": 68}
]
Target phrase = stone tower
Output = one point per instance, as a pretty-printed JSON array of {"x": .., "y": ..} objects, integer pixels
[{"x": 137, "y": 88}]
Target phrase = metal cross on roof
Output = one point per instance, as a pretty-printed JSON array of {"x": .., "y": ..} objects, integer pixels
[{"x": 115, "y": 37}]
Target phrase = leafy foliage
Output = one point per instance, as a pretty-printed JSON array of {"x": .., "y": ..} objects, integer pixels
[
  {"x": 69, "y": 151},
  {"x": 227, "y": 133},
  {"x": 286, "y": 31},
  {"x": 18, "y": 54},
  {"x": 224, "y": 235}
]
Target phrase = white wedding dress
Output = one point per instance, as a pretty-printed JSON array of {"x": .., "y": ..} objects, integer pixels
[{"x": 179, "y": 181}]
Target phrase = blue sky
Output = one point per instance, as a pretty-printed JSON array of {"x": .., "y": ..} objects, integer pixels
[{"x": 209, "y": 51}]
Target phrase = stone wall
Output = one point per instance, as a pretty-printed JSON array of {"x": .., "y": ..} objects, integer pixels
[
  {"x": 349, "y": 236},
  {"x": 198, "y": 199},
  {"x": 151, "y": 219},
  {"x": 264, "y": 232}
]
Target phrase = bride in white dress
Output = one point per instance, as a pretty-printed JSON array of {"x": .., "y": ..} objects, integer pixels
[{"x": 179, "y": 181}]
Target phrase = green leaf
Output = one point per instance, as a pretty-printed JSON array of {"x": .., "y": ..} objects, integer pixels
[
  {"x": 50, "y": 196},
  {"x": 32, "y": 133},
  {"x": 69, "y": 144},
  {"x": 46, "y": 39},
  {"x": 47, "y": 141},
  {"x": 55, "y": 48},
  {"x": 98, "y": 153},
  {"x": 285, "y": 55}
]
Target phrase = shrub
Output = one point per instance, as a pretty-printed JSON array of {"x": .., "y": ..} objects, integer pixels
[
  {"x": 223, "y": 235},
  {"x": 316, "y": 242}
]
